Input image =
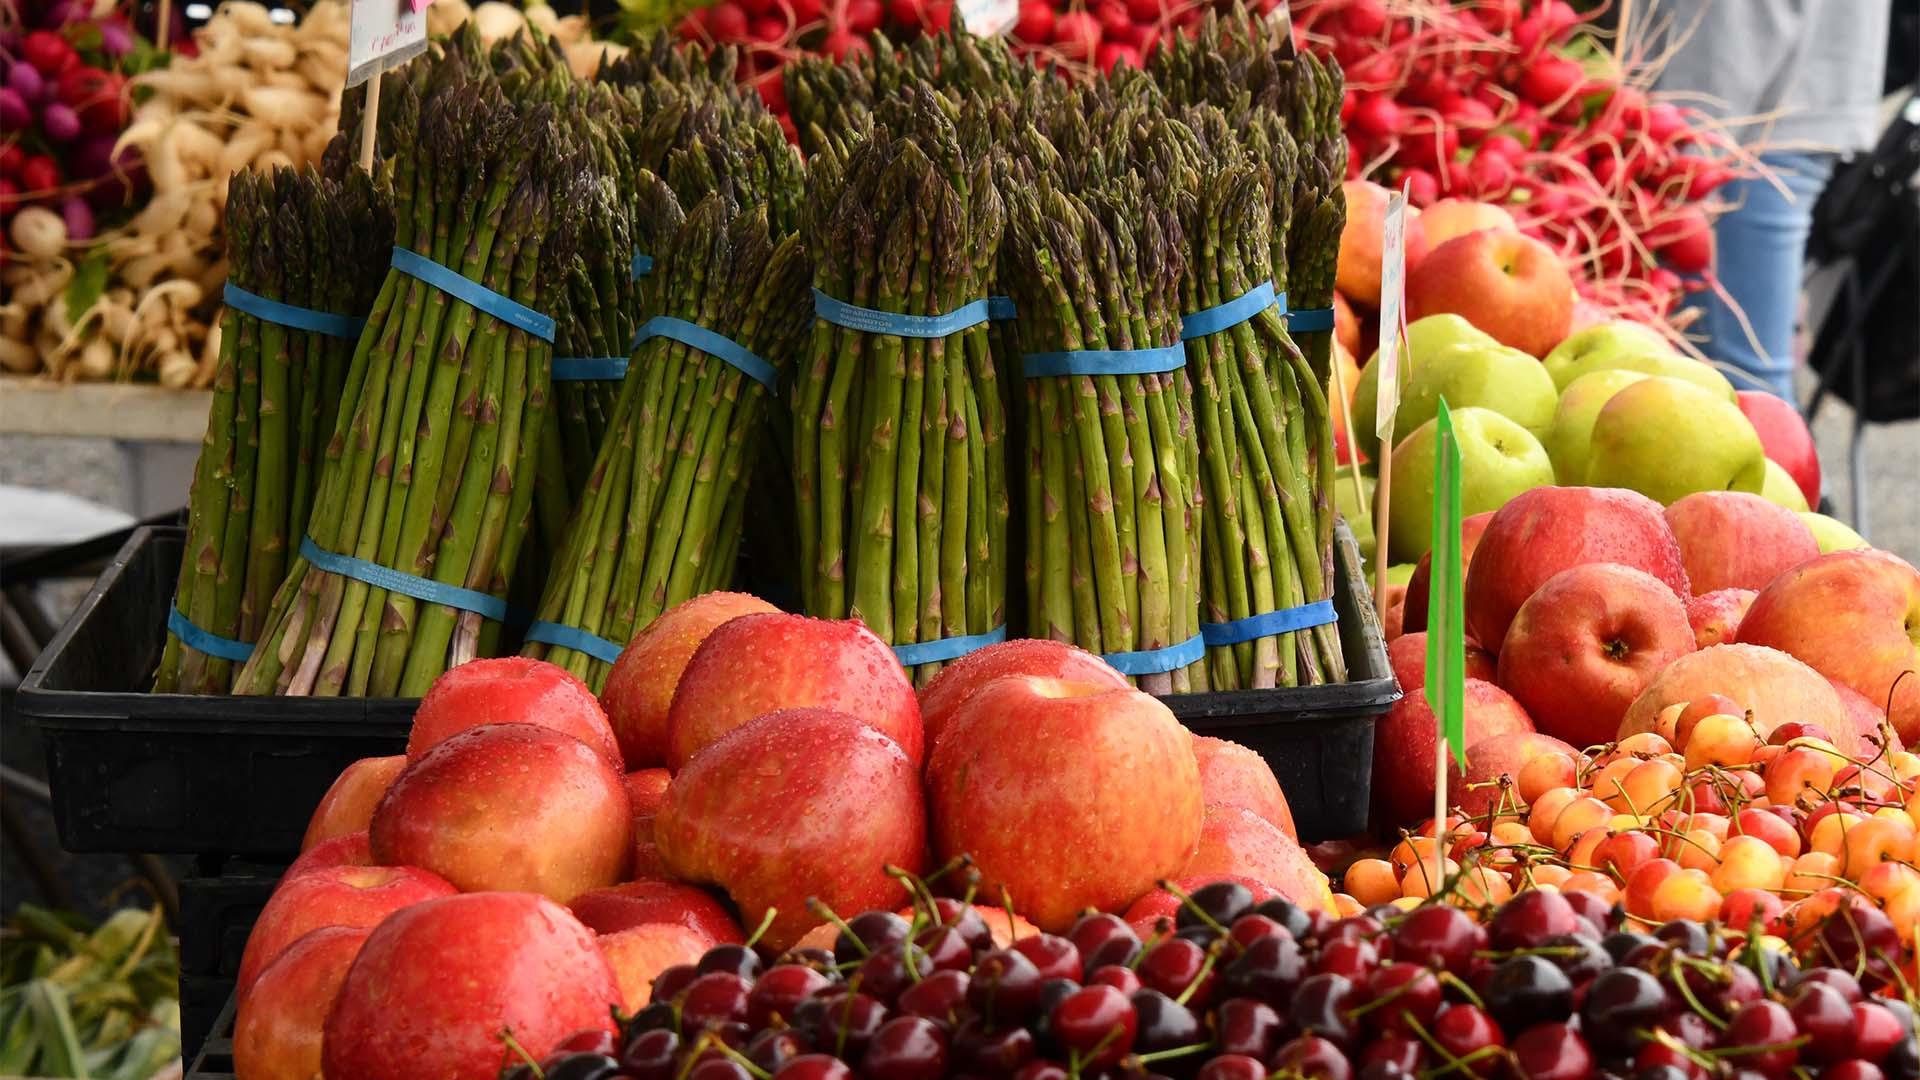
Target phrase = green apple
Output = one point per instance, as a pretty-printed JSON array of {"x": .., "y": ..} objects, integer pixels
[
  {"x": 1666, "y": 439},
  {"x": 1401, "y": 572},
  {"x": 1778, "y": 487},
  {"x": 1487, "y": 374},
  {"x": 1572, "y": 428},
  {"x": 1437, "y": 332},
  {"x": 1628, "y": 346},
  {"x": 1359, "y": 518},
  {"x": 1498, "y": 460},
  {"x": 1832, "y": 535}
]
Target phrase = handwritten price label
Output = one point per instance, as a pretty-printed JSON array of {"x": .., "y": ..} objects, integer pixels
[
  {"x": 989, "y": 18},
  {"x": 383, "y": 34}
]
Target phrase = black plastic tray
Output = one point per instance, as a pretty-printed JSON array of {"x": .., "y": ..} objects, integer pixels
[
  {"x": 1318, "y": 739},
  {"x": 214, "y": 1058},
  {"x": 178, "y": 773}
]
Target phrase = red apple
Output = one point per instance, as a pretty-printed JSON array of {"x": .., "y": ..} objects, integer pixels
[
  {"x": 639, "y": 954},
  {"x": 1236, "y": 842},
  {"x": 1449, "y": 218},
  {"x": 1407, "y": 656},
  {"x": 1486, "y": 786},
  {"x": 352, "y": 849},
  {"x": 276, "y": 1032},
  {"x": 647, "y": 863},
  {"x": 640, "y": 685},
  {"x": 435, "y": 985},
  {"x": 797, "y": 804},
  {"x": 509, "y": 807},
  {"x": 647, "y": 790},
  {"x": 1404, "y": 741},
  {"x": 1737, "y": 540},
  {"x": 1541, "y": 532},
  {"x": 1346, "y": 330},
  {"x": 336, "y": 896},
  {"x": 1854, "y": 616},
  {"x": 511, "y": 690},
  {"x": 1785, "y": 438},
  {"x": 948, "y": 692},
  {"x": 1358, "y": 273},
  {"x": 1145, "y": 913},
  {"x": 1868, "y": 722},
  {"x": 1420, "y": 585},
  {"x": 1069, "y": 795},
  {"x": 1506, "y": 283},
  {"x": 1766, "y": 684},
  {"x": 347, "y": 807},
  {"x": 1586, "y": 643},
  {"x": 1394, "y": 623},
  {"x": 756, "y": 664},
  {"x": 1233, "y": 775},
  {"x": 638, "y": 903},
  {"x": 1715, "y": 616}
]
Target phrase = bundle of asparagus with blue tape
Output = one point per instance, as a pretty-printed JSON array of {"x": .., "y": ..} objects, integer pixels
[
  {"x": 426, "y": 492},
  {"x": 898, "y": 416},
  {"x": 304, "y": 253},
  {"x": 726, "y": 313}
]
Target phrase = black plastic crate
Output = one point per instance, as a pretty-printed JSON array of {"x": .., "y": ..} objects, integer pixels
[
  {"x": 216, "y": 915},
  {"x": 1317, "y": 739},
  {"x": 178, "y": 773},
  {"x": 214, "y": 1058}
]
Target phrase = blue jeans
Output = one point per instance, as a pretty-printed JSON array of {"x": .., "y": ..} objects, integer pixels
[{"x": 1759, "y": 256}]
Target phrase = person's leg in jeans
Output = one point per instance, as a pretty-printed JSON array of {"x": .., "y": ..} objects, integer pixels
[{"x": 1760, "y": 252}]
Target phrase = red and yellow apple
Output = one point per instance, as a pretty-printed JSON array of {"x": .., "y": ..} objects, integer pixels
[
  {"x": 1358, "y": 273},
  {"x": 640, "y": 953},
  {"x": 647, "y": 791},
  {"x": 1236, "y": 842},
  {"x": 347, "y": 807},
  {"x": 1405, "y": 739},
  {"x": 1448, "y": 218},
  {"x": 1769, "y": 686},
  {"x": 1785, "y": 438},
  {"x": 510, "y": 807},
  {"x": 639, "y": 903},
  {"x": 943, "y": 698},
  {"x": 337, "y": 896},
  {"x": 1737, "y": 540},
  {"x": 1069, "y": 795},
  {"x": 1506, "y": 283},
  {"x": 1486, "y": 785},
  {"x": 1715, "y": 616},
  {"x": 797, "y": 804},
  {"x": 1586, "y": 643},
  {"x": 436, "y": 984},
  {"x": 640, "y": 685},
  {"x": 1233, "y": 775},
  {"x": 353, "y": 849},
  {"x": 511, "y": 690},
  {"x": 277, "y": 1028},
  {"x": 1420, "y": 585},
  {"x": 1868, "y": 722},
  {"x": 756, "y": 664},
  {"x": 1407, "y": 655},
  {"x": 1346, "y": 326}
]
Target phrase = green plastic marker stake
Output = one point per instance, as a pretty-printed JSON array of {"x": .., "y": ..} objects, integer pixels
[{"x": 1446, "y": 625}]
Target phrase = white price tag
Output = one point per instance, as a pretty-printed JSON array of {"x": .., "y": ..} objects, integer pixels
[
  {"x": 383, "y": 34},
  {"x": 988, "y": 18},
  {"x": 1393, "y": 273}
]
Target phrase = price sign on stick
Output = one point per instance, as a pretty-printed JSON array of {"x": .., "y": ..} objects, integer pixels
[
  {"x": 1393, "y": 273},
  {"x": 1446, "y": 621},
  {"x": 381, "y": 34},
  {"x": 988, "y": 18}
]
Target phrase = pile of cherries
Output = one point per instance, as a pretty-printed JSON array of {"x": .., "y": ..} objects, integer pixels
[{"x": 1549, "y": 987}]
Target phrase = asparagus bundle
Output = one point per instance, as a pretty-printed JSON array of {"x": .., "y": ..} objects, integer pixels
[
  {"x": 430, "y": 465},
  {"x": 1112, "y": 507},
  {"x": 312, "y": 241},
  {"x": 898, "y": 441}
]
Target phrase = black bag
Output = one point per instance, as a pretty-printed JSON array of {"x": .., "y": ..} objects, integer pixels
[{"x": 1869, "y": 215}]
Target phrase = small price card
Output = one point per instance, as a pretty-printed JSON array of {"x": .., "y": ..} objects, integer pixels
[{"x": 384, "y": 34}]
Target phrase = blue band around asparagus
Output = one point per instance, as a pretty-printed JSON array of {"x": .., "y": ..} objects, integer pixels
[
  {"x": 1105, "y": 362},
  {"x": 589, "y": 368},
  {"x": 1232, "y": 313},
  {"x": 275, "y": 311},
  {"x": 642, "y": 265},
  {"x": 200, "y": 640},
  {"x": 1310, "y": 320},
  {"x": 383, "y": 577},
  {"x": 719, "y": 346},
  {"x": 1269, "y": 623},
  {"x": 572, "y": 637},
  {"x": 1001, "y": 309},
  {"x": 874, "y": 321},
  {"x": 460, "y": 287},
  {"x": 953, "y": 648},
  {"x": 1155, "y": 661}
]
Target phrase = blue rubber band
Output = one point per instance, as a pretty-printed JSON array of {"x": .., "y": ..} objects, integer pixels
[
  {"x": 1105, "y": 362},
  {"x": 1269, "y": 623},
  {"x": 273, "y": 311},
  {"x": 206, "y": 641},
  {"x": 433, "y": 592},
  {"x": 1155, "y": 661},
  {"x": 1310, "y": 320},
  {"x": 642, "y": 265},
  {"x": 572, "y": 637},
  {"x": 461, "y": 287},
  {"x": 953, "y": 648},
  {"x": 874, "y": 321},
  {"x": 1001, "y": 309},
  {"x": 1232, "y": 313},
  {"x": 588, "y": 368},
  {"x": 719, "y": 346}
]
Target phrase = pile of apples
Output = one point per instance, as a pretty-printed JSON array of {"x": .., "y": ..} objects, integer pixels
[{"x": 538, "y": 856}]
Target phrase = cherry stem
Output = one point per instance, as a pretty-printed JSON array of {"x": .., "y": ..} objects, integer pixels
[
  {"x": 513, "y": 1044},
  {"x": 1206, "y": 968},
  {"x": 825, "y": 912},
  {"x": 1175, "y": 1052},
  {"x": 1186, "y": 901},
  {"x": 766, "y": 923}
]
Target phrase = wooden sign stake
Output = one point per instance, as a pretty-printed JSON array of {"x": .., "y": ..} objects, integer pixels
[{"x": 370, "y": 121}]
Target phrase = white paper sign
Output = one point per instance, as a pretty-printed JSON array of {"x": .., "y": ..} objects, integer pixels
[
  {"x": 383, "y": 34},
  {"x": 988, "y": 18},
  {"x": 1393, "y": 273}
]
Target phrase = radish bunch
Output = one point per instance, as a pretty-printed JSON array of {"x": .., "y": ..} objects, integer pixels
[{"x": 1508, "y": 101}]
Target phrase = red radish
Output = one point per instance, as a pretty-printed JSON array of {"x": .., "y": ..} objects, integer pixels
[
  {"x": 1684, "y": 241},
  {"x": 727, "y": 21},
  {"x": 1077, "y": 35},
  {"x": 1497, "y": 15},
  {"x": 1431, "y": 147},
  {"x": 48, "y": 52},
  {"x": 1346, "y": 108},
  {"x": 1503, "y": 145},
  {"x": 1146, "y": 11},
  {"x": 1664, "y": 279},
  {"x": 1466, "y": 113},
  {"x": 39, "y": 173},
  {"x": 1365, "y": 18},
  {"x": 1706, "y": 180},
  {"x": 11, "y": 158},
  {"x": 756, "y": 8},
  {"x": 1375, "y": 71},
  {"x": 1112, "y": 53},
  {"x": 938, "y": 17},
  {"x": 1665, "y": 122},
  {"x": 1490, "y": 175},
  {"x": 1143, "y": 38},
  {"x": 768, "y": 29},
  {"x": 1549, "y": 79},
  {"x": 840, "y": 45},
  {"x": 1422, "y": 188},
  {"x": 694, "y": 26},
  {"x": 806, "y": 12},
  {"x": 773, "y": 91},
  {"x": 1376, "y": 114},
  {"x": 864, "y": 16},
  {"x": 1036, "y": 22},
  {"x": 1113, "y": 17}
]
